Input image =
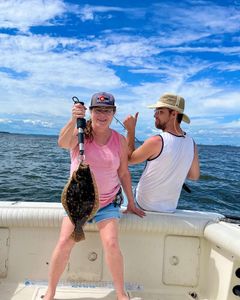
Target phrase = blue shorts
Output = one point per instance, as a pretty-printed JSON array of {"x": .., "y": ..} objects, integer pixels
[{"x": 105, "y": 213}]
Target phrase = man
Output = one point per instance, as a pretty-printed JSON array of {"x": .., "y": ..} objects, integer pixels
[{"x": 171, "y": 156}]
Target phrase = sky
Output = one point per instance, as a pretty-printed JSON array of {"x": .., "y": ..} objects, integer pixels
[{"x": 53, "y": 50}]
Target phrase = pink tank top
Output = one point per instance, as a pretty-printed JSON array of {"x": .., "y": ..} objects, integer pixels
[{"x": 104, "y": 162}]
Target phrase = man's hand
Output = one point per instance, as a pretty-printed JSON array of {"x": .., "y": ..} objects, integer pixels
[
  {"x": 131, "y": 208},
  {"x": 130, "y": 122},
  {"x": 130, "y": 125}
]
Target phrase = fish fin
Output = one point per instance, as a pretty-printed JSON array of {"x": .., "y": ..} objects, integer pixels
[{"x": 78, "y": 234}]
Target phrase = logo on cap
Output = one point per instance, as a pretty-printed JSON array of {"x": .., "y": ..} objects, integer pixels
[{"x": 102, "y": 98}]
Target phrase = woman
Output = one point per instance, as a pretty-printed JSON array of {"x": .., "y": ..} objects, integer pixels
[{"x": 106, "y": 152}]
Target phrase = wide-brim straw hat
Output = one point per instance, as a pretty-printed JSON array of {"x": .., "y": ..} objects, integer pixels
[{"x": 174, "y": 102}]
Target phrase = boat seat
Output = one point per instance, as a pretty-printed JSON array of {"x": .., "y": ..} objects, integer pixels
[{"x": 34, "y": 214}]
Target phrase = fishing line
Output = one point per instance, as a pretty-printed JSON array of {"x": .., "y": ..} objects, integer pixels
[{"x": 118, "y": 121}]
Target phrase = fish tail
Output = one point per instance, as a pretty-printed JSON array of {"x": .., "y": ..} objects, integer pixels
[{"x": 78, "y": 234}]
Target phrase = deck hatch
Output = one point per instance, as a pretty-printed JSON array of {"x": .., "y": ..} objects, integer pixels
[{"x": 181, "y": 260}]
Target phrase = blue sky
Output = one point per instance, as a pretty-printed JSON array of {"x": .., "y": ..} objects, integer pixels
[{"x": 52, "y": 50}]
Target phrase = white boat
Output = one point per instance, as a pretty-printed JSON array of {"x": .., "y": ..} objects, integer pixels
[{"x": 180, "y": 256}]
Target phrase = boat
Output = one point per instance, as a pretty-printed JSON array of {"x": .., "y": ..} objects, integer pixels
[{"x": 184, "y": 255}]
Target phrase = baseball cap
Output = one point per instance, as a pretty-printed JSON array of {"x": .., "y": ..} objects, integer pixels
[
  {"x": 102, "y": 99},
  {"x": 172, "y": 101}
]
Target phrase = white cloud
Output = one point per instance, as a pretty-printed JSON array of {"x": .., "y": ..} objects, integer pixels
[
  {"x": 97, "y": 13},
  {"x": 5, "y": 121},
  {"x": 205, "y": 122},
  {"x": 234, "y": 124},
  {"x": 23, "y": 14},
  {"x": 225, "y": 102},
  {"x": 40, "y": 73},
  {"x": 186, "y": 23},
  {"x": 231, "y": 67},
  {"x": 89, "y": 12},
  {"x": 224, "y": 50},
  {"x": 45, "y": 75},
  {"x": 121, "y": 50},
  {"x": 53, "y": 74},
  {"x": 38, "y": 123}
]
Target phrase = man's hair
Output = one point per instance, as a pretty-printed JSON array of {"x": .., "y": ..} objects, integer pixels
[{"x": 179, "y": 116}]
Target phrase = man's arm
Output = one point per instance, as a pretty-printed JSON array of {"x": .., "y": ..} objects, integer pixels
[
  {"x": 194, "y": 172},
  {"x": 148, "y": 150}
]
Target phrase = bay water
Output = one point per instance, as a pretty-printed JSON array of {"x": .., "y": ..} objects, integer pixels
[{"x": 34, "y": 168}]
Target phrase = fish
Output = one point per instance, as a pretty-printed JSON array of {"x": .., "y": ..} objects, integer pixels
[{"x": 80, "y": 199}]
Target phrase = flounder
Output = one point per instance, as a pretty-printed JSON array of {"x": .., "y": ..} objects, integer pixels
[{"x": 80, "y": 199}]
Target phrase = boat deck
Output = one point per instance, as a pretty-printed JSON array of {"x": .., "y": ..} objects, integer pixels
[{"x": 25, "y": 291}]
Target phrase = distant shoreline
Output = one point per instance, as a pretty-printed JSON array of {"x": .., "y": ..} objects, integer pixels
[
  {"x": 55, "y": 135},
  {"x": 32, "y": 134}
]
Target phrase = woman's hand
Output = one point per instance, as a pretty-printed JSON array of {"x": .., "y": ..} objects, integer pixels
[
  {"x": 133, "y": 209},
  {"x": 78, "y": 111}
]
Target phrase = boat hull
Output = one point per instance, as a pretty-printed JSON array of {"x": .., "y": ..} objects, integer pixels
[{"x": 184, "y": 255}]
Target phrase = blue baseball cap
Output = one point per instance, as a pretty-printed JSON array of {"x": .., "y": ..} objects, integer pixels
[{"x": 102, "y": 99}]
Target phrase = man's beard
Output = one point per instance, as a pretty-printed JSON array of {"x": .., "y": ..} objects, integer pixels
[{"x": 159, "y": 125}]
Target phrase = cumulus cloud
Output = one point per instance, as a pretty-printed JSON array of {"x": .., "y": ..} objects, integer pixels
[
  {"x": 226, "y": 102},
  {"x": 176, "y": 52},
  {"x": 38, "y": 123},
  {"x": 48, "y": 74},
  {"x": 233, "y": 124},
  {"x": 23, "y": 14},
  {"x": 5, "y": 121},
  {"x": 188, "y": 23},
  {"x": 90, "y": 12}
]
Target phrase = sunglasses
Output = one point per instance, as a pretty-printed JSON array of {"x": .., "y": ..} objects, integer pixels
[{"x": 106, "y": 111}]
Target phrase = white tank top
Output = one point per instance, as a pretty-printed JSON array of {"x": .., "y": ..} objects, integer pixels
[{"x": 161, "y": 182}]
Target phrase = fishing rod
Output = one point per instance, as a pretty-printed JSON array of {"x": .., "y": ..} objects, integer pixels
[
  {"x": 81, "y": 125},
  {"x": 185, "y": 187},
  {"x": 118, "y": 121}
]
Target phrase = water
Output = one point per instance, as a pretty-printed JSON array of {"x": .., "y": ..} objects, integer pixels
[{"x": 34, "y": 168}]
